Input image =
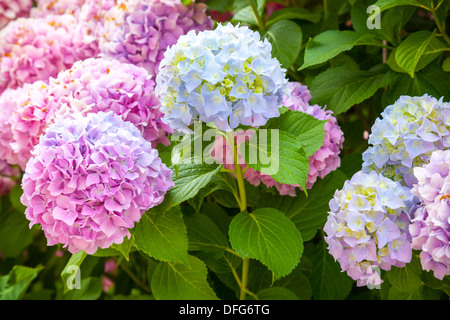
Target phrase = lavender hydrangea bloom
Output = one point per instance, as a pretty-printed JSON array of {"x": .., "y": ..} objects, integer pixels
[
  {"x": 99, "y": 84},
  {"x": 367, "y": 226},
  {"x": 430, "y": 228},
  {"x": 226, "y": 76},
  {"x": 33, "y": 49},
  {"x": 11, "y": 10},
  {"x": 139, "y": 31},
  {"x": 90, "y": 179},
  {"x": 406, "y": 135}
]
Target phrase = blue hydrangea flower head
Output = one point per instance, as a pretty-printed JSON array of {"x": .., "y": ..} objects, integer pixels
[
  {"x": 226, "y": 76},
  {"x": 405, "y": 135}
]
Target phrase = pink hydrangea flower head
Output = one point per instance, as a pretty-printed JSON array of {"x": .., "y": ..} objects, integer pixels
[
  {"x": 430, "y": 228},
  {"x": 33, "y": 49},
  {"x": 8, "y": 106},
  {"x": 8, "y": 176},
  {"x": 99, "y": 84},
  {"x": 139, "y": 31},
  {"x": 367, "y": 226},
  {"x": 90, "y": 179},
  {"x": 25, "y": 113},
  {"x": 11, "y": 10}
]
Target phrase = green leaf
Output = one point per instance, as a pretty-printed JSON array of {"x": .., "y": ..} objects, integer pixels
[
  {"x": 14, "y": 197},
  {"x": 387, "y": 4},
  {"x": 90, "y": 289},
  {"x": 330, "y": 43},
  {"x": 163, "y": 237},
  {"x": 205, "y": 236},
  {"x": 15, "y": 233},
  {"x": 278, "y": 154},
  {"x": 308, "y": 130},
  {"x": 297, "y": 282},
  {"x": 176, "y": 281},
  {"x": 446, "y": 65},
  {"x": 269, "y": 236},
  {"x": 276, "y": 293},
  {"x": 392, "y": 21},
  {"x": 71, "y": 272},
  {"x": 14, "y": 285},
  {"x": 245, "y": 15},
  {"x": 431, "y": 281},
  {"x": 410, "y": 51},
  {"x": 425, "y": 82},
  {"x": 189, "y": 179},
  {"x": 308, "y": 213},
  {"x": 124, "y": 248},
  {"x": 406, "y": 279},
  {"x": 340, "y": 89},
  {"x": 293, "y": 14},
  {"x": 286, "y": 39},
  {"x": 327, "y": 280}
]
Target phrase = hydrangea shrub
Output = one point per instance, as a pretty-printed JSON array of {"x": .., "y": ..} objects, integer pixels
[{"x": 204, "y": 150}]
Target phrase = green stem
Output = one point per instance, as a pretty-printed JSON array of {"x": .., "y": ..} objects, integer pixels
[
  {"x": 440, "y": 26},
  {"x": 243, "y": 208},
  {"x": 134, "y": 278},
  {"x": 257, "y": 16}
]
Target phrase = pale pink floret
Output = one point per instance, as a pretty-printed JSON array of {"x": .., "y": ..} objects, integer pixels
[
  {"x": 33, "y": 49},
  {"x": 139, "y": 31},
  {"x": 25, "y": 112},
  {"x": 13, "y": 9}
]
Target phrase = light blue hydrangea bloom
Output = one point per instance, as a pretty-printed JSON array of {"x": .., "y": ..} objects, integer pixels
[
  {"x": 405, "y": 136},
  {"x": 226, "y": 76}
]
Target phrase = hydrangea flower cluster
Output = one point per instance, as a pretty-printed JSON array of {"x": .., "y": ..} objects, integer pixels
[
  {"x": 226, "y": 76},
  {"x": 406, "y": 135},
  {"x": 11, "y": 10},
  {"x": 25, "y": 112},
  {"x": 90, "y": 179},
  {"x": 7, "y": 177},
  {"x": 139, "y": 31},
  {"x": 430, "y": 228},
  {"x": 99, "y": 84},
  {"x": 33, "y": 49},
  {"x": 367, "y": 226},
  {"x": 321, "y": 163}
]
